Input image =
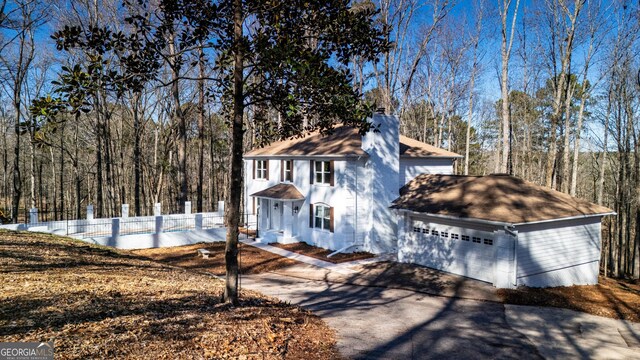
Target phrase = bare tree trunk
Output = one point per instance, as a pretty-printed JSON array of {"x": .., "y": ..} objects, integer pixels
[
  {"x": 235, "y": 184},
  {"x": 182, "y": 128},
  {"x": 567, "y": 138},
  {"x": 137, "y": 169},
  {"x": 201, "y": 118},
  {"x": 472, "y": 83},
  {"x": 507, "y": 42}
]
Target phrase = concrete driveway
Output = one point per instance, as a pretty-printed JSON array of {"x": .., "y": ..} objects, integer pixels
[{"x": 375, "y": 322}]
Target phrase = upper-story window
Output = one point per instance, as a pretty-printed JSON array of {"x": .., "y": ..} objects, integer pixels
[
  {"x": 261, "y": 169},
  {"x": 286, "y": 170},
  {"x": 322, "y": 172}
]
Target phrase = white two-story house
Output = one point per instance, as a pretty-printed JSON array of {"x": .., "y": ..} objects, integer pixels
[
  {"x": 335, "y": 191},
  {"x": 385, "y": 193}
]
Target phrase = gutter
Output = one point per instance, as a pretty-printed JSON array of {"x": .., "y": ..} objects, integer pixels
[
  {"x": 566, "y": 218},
  {"x": 506, "y": 225},
  {"x": 305, "y": 157},
  {"x": 449, "y": 217}
]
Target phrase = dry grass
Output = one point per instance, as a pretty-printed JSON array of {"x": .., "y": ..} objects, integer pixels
[
  {"x": 98, "y": 303},
  {"x": 252, "y": 260},
  {"x": 320, "y": 253},
  {"x": 618, "y": 299}
]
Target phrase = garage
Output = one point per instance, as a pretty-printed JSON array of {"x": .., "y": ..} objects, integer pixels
[
  {"x": 499, "y": 229},
  {"x": 454, "y": 249}
]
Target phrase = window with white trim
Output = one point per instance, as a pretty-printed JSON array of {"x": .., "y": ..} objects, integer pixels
[
  {"x": 323, "y": 172},
  {"x": 425, "y": 230},
  {"x": 261, "y": 169},
  {"x": 322, "y": 217},
  {"x": 465, "y": 237},
  {"x": 488, "y": 241},
  {"x": 455, "y": 236},
  {"x": 476, "y": 239},
  {"x": 287, "y": 171}
]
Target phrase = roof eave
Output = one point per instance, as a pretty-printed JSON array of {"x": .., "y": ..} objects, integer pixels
[
  {"x": 451, "y": 217},
  {"x": 432, "y": 157},
  {"x": 324, "y": 156},
  {"x": 277, "y": 199},
  {"x": 584, "y": 216}
]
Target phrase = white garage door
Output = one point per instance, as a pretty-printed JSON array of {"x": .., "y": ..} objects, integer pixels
[{"x": 457, "y": 250}]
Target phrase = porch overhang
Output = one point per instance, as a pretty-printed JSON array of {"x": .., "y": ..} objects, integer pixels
[{"x": 280, "y": 192}]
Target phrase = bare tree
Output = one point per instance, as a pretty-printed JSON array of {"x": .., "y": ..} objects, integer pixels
[{"x": 507, "y": 34}]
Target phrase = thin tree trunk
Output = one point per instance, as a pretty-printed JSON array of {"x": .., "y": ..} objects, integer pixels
[
  {"x": 201, "y": 118},
  {"x": 136, "y": 153},
  {"x": 235, "y": 184},
  {"x": 567, "y": 138}
]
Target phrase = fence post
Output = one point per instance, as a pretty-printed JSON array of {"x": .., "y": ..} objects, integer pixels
[
  {"x": 33, "y": 216},
  {"x": 115, "y": 229},
  {"x": 157, "y": 209},
  {"x": 198, "y": 221},
  {"x": 125, "y": 211},
  {"x": 89, "y": 212},
  {"x": 187, "y": 207},
  {"x": 159, "y": 220}
]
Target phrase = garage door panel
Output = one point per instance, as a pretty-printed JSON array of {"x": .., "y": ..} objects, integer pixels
[{"x": 451, "y": 249}]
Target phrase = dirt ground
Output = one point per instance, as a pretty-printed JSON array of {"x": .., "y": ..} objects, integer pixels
[
  {"x": 252, "y": 260},
  {"x": 94, "y": 302},
  {"x": 618, "y": 299},
  {"x": 320, "y": 253}
]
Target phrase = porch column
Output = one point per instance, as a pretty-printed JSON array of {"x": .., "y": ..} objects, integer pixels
[{"x": 287, "y": 219}]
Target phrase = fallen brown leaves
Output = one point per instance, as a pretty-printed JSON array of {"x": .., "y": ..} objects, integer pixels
[
  {"x": 611, "y": 298},
  {"x": 320, "y": 253},
  {"x": 252, "y": 260},
  {"x": 98, "y": 303}
]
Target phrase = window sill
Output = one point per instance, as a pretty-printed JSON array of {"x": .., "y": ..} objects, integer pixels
[{"x": 322, "y": 231}]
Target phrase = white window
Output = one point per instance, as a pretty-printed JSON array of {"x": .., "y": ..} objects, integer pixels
[
  {"x": 323, "y": 172},
  {"x": 322, "y": 217},
  {"x": 287, "y": 172},
  {"x": 261, "y": 169}
]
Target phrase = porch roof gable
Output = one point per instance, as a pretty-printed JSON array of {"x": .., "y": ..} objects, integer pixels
[{"x": 286, "y": 192}]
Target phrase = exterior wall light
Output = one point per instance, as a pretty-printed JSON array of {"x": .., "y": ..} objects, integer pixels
[
  {"x": 275, "y": 206},
  {"x": 295, "y": 210}
]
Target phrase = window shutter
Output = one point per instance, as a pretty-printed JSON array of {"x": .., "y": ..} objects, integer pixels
[
  {"x": 254, "y": 168},
  {"x": 266, "y": 164},
  {"x": 282, "y": 170},
  {"x": 331, "y": 176},
  {"x": 311, "y": 215},
  {"x": 291, "y": 170},
  {"x": 253, "y": 206},
  {"x": 331, "y": 219},
  {"x": 311, "y": 172}
]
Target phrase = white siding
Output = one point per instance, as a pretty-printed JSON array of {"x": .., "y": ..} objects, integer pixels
[
  {"x": 560, "y": 253},
  {"x": 411, "y": 167},
  {"x": 341, "y": 196}
]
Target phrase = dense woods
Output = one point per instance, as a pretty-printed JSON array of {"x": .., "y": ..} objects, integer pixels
[{"x": 104, "y": 102}]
